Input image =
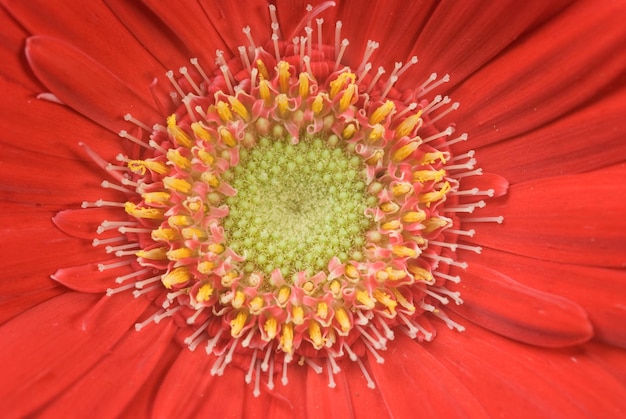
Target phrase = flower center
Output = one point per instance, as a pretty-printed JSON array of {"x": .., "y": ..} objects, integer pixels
[
  {"x": 297, "y": 205},
  {"x": 295, "y": 209}
]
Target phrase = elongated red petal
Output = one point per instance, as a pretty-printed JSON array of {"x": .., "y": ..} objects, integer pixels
[
  {"x": 82, "y": 83},
  {"x": 60, "y": 340},
  {"x": 574, "y": 219},
  {"x": 414, "y": 383},
  {"x": 509, "y": 378},
  {"x": 502, "y": 305},
  {"x": 601, "y": 292},
  {"x": 545, "y": 76},
  {"x": 74, "y": 23},
  {"x": 111, "y": 384},
  {"x": 319, "y": 392},
  {"x": 577, "y": 143},
  {"x": 456, "y": 28},
  {"x": 185, "y": 385}
]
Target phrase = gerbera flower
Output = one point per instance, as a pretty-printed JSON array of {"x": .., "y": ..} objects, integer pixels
[{"x": 293, "y": 220}]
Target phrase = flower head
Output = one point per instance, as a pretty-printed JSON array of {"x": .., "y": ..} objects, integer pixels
[{"x": 297, "y": 216}]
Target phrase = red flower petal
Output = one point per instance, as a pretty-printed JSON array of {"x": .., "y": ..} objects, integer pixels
[
  {"x": 82, "y": 83},
  {"x": 151, "y": 33},
  {"x": 601, "y": 292},
  {"x": 319, "y": 393},
  {"x": 214, "y": 404},
  {"x": 504, "y": 306},
  {"x": 366, "y": 402},
  {"x": 14, "y": 305},
  {"x": 509, "y": 378},
  {"x": 228, "y": 21},
  {"x": 111, "y": 384},
  {"x": 11, "y": 54},
  {"x": 74, "y": 23},
  {"x": 460, "y": 37},
  {"x": 577, "y": 143},
  {"x": 414, "y": 383},
  {"x": 546, "y": 75},
  {"x": 576, "y": 219},
  {"x": 190, "y": 24},
  {"x": 59, "y": 340},
  {"x": 185, "y": 385}
]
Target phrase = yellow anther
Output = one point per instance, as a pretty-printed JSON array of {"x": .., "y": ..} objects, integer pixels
[
  {"x": 216, "y": 248},
  {"x": 364, "y": 298},
  {"x": 227, "y": 137},
  {"x": 429, "y": 158},
  {"x": 303, "y": 87},
  {"x": 404, "y": 252},
  {"x": 434, "y": 223},
  {"x": 206, "y": 157},
  {"x": 140, "y": 212},
  {"x": 180, "y": 221},
  {"x": 210, "y": 179},
  {"x": 238, "y": 299},
  {"x": 140, "y": 166},
  {"x": 283, "y": 294},
  {"x": 414, "y": 216},
  {"x": 180, "y": 253},
  {"x": 421, "y": 274},
  {"x": 297, "y": 315},
  {"x": 204, "y": 293},
  {"x": 206, "y": 267},
  {"x": 315, "y": 332},
  {"x": 428, "y": 175},
  {"x": 381, "y": 113},
  {"x": 308, "y": 287},
  {"x": 346, "y": 99},
  {"x": 265, "y": 92},
  {"x": 335, "y": 287},
  {"x": 386, "y": 300},
  {"x": 407, "y": 126},
  {"x": 166, "y": 234},
  {"x": 430, "y": 197},
  {"x": 403, "y": 301},
  {"x": 392, "y": 225},
  {"x": 389, "y": 207},
  {"x": 256, "y": 304},
  {"x": 395, "y": 274},
  {"x": 152, "y": 198},
  {"x": 177, "y": 276},
  {"x": 351, "y": 271},
  {"x": 283, "y": 76},
  {"x": 238, "y": 323},
  {"x": 200, "y": 132},
  {"x": 376, "y": 133},
  {"x": 282, "y": 103},
  {"x": 174, "y": 156},
  {"x": 322, "y": 310},
  {"x": 193, "y": 204},
  {"x": 342, "y": 318},
  {"x": 181, "y": 137},
  {"x": 348, "y": 131},
  {"x": 224, "y": 111},
  {"x": 239, "y": 108},
  {"x": 337, "y": 85},
  {"x": 318, "y": 104},
  {"x": 263, "y": 73},
  {"x": 286, "y": 340},
  {"x": 375, "y": 157},
  {"x": 401, "y": 188},
  {"x": 406, "y": 150},
  {"x": 159, "y": 253},
  {"x": 190, "y": 233},
  {"x": 175, "y": 184},
  {"x": 228, "y": 278},
  {"x": 271, "y": 328}
]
